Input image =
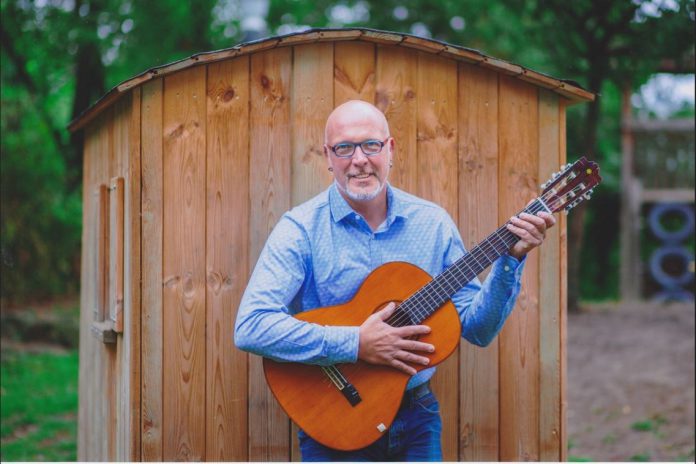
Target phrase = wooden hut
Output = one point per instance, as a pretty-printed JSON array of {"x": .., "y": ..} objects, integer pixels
[{"x": 187, "y": 167}]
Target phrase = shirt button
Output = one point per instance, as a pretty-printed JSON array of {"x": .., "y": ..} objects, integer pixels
[
  {"x": 357, "y": 217},
  {"x": 507, "y": 268}
]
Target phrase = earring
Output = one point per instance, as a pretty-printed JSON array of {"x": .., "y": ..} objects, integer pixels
[
  {"x": 391, "y": 163},
  {"x": 330, "y": 169}
]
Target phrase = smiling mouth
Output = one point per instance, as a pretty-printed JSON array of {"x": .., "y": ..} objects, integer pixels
[{"x": 361, "y": 176}]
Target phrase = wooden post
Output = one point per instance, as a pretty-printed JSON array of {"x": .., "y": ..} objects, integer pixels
[{"x": 630, "y": 272}]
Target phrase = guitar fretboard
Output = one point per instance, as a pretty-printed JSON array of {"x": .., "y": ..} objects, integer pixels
[{"x": 434, "y": 294}]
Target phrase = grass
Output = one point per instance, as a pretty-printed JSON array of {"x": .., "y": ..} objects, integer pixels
[{"x": 39, "y": 406}]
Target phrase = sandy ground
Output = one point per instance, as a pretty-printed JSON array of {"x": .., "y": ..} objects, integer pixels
[{"x": 631, "y": 383}]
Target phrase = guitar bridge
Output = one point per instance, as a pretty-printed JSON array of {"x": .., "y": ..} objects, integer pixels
[
  {"x": 351, "y": 394},
  {"x": 342, "y": 384}
]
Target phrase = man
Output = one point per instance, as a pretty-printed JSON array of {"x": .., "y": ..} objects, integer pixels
[{"x": 320, "y": 252}]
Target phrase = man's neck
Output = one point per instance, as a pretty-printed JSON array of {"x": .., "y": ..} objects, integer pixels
[{"x": 374, "y": 211}]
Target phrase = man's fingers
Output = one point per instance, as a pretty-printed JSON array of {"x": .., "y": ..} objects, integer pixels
[
  {"x": 407, "y": 356},
  {"x": 530, "y": 222},
  {"x": 387, "y": 311},
  {"x": 529, "y": 239},
  {"x": 411, "y": 330},
  {"x": 395, "y": 363},
  {"x": 533, "y": 225},
  {"x": 412, "y": 345},
  {"x": 548, "y": 218}
]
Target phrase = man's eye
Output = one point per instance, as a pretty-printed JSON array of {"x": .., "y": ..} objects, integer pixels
[{"x": 343, "y": 148}]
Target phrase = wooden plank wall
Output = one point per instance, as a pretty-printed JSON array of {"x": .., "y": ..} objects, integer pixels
[
  {"x": 223, "y": 151},
  {"x": 109, "y": 411}
]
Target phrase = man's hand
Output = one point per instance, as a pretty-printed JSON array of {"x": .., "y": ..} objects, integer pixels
[
  {"x": 381, "y": 343},
  {"x": 531, "y": 229}
]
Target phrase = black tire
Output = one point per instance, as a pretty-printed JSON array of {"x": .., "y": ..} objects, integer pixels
[
  {"x": 670, "y": 281},
  {"x": 671, "y": 236}
]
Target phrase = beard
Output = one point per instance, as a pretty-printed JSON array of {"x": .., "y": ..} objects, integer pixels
[{"x": 362, "y": 195}]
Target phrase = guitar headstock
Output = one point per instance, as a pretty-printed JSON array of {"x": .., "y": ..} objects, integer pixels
[{"x": 571, "y": 186}]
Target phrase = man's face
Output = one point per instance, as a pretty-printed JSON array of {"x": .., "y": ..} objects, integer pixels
[{"x": 360, "y": 177}]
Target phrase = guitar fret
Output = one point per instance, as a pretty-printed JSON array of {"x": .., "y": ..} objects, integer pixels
[{"x": 435, "y": 293}]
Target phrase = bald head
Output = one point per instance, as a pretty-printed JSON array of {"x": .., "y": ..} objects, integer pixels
[{"x": 351, "y": 114}]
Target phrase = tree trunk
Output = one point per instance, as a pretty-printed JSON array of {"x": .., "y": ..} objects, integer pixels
[
  {"x": 576, "y": 221},
  {"x": 89, "y": 86}
]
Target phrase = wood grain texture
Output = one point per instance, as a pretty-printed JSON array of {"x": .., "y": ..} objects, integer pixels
[
  {"x": 101, "y": 237},
  {"x": 118, "y": 384},
  {"x": 519, "y": 340},
  {"x": 184, "y": 365},
  {"x": 563, "y": 290},
  {"x": 227, "y": 268},
  {"x": 354, "y": 72},
  {"x": 311, "y": 101},
  {"x": 395, "y": 95},
  {"x": 437, "y": 181},
  {"x": 269, "y": 198},
  {"x": 210, "y": 166},
  {"x": 108, "y": 163},
  {"x": 131, "y": 370},
  {"x": 88, "y": 379},
  {"x": 116, "y": 219},
  {"x": 478, "y": 217},
  {"x": 118, "y": 175},
  {"x": 549, "y": 293},
  {"x": 152, "y": 238}
]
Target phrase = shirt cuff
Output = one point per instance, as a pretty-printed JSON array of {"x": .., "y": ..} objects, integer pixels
[
  {"x": 510, "y": 267},
  {"x": 342, "y": 344}
]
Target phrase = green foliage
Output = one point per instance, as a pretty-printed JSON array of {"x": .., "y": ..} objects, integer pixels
[
  {"x": 642, "y": 457},
  {"x": 39, "y": 406},
  {"x": 40, "y": 218},
  {"x": 59, "y": 56},
  {"x": 651, "y": 424}
]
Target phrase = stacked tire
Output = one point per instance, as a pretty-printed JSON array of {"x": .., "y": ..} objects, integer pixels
[{"x": 672, "y": 264}]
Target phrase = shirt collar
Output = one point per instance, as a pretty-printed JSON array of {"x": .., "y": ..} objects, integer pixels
[{"x": 340, "y": 208}]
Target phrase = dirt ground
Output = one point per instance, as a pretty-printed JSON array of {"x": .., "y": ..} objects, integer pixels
[{"x": 631, "y": 383}]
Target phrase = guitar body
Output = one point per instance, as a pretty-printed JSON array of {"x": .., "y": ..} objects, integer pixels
[
  {"x": 321, "y": 400},
  {"x": 317, "y": 406}
]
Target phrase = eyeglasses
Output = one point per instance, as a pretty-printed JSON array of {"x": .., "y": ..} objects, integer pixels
[{"x": 368, "y": 147}]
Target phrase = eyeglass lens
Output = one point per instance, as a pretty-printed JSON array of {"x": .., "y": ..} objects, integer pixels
[{"x": 369, "y": 147}]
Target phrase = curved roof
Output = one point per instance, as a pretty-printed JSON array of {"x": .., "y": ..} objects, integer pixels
[{"x": 566, "y": 88}]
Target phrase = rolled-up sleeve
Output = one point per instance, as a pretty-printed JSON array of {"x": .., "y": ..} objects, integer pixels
[{"x": 264, "y": 323}]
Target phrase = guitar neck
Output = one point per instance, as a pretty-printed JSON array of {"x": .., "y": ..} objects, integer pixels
[{"x": 433, "y": 295}]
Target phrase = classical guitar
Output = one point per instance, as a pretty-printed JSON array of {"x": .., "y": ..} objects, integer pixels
[{"x": 349, "y": 406}]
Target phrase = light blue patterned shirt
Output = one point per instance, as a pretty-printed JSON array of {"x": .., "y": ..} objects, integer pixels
[{"x": 320, "y": 252}]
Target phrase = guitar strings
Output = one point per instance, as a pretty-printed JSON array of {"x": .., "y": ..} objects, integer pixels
[
  {"x": 425, "y": 292},
  {"x": 479, "y": 251},
  {"x": 417, "y": 300},
  {"x": 482, "y": 249}
]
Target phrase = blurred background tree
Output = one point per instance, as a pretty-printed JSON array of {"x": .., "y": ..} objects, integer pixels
[{"x": 59, "y": 56}]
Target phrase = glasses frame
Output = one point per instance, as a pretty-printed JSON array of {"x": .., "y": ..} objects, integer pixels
[{"x": 360, "y": 144}]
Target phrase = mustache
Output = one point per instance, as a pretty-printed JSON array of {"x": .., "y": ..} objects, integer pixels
[{"x": 356, "y": 174}]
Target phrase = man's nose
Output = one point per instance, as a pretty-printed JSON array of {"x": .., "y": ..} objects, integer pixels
[{"x": 359, "y": 156}]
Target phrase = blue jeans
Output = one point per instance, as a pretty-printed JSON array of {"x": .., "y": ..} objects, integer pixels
[{"x": 413, "y": 436}]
